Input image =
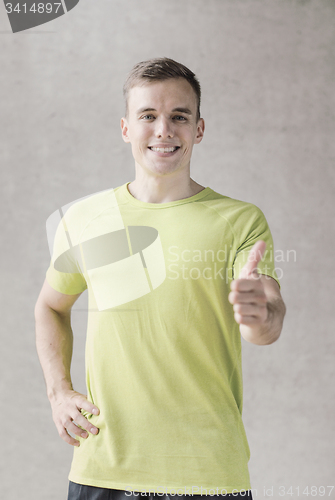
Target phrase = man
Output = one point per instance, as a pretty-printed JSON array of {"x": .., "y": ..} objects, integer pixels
[{"x": 175, "y": 273}]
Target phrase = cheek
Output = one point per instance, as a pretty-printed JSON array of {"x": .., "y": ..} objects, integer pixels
[
  {"x": 142, "y": 140},
  {"x": 139, "y": 147},
  {"x": 189, "y": 138},
  {"x": 189, "y": 145}
]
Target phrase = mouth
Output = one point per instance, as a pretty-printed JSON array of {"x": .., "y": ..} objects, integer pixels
[{"x": 171, "y": 149}]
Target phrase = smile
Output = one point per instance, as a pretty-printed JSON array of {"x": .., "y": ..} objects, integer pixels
[{"x": 164, "y": 150}]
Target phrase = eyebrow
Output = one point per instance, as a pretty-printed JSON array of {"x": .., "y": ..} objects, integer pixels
[{"x": 186, "y": 111}]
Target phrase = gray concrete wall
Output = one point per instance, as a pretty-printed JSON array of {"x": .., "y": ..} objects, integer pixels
[{"x": 267, "y": 74}]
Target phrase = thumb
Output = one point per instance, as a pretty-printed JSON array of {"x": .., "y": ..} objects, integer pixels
[{"x": 255, "y": 256}]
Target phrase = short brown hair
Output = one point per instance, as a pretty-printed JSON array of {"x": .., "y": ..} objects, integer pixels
[{"x": 161, "y": 69}]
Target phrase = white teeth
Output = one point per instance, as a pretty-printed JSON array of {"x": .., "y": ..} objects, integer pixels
[{"x": 163, "y": 150}]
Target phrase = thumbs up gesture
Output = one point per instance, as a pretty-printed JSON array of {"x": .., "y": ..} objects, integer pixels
[{"x": 248, "y": 293}]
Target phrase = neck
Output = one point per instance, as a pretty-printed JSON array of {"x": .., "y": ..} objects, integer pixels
[{"x": 163, "y": 189}]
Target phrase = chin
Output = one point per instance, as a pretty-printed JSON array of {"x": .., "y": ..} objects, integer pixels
[{"x": 163, "y": 169}]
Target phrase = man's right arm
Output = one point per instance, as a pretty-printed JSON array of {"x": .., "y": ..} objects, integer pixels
[{"x": 54, "y": 343}]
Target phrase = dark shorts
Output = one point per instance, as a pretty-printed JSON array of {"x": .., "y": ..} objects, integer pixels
[{"x": 83, "y": 492}]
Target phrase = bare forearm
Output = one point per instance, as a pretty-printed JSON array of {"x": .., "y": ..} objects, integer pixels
[
  {"x": 54, "y": 343},
  {"x": 268, "y": 332}
]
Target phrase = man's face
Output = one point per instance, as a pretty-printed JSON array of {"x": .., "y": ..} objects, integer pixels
[{"x": 161, "y": 125}]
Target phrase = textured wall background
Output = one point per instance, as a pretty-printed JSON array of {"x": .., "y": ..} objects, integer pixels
[{"x": 267, "y": 70}]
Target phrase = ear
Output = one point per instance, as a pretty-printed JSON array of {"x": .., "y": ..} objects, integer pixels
[
  {"x": 124, "y": 128},
  {"x": 200, "y": 131}
]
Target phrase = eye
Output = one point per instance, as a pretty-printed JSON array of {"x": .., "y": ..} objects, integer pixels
[
  {"x": 179, "y": 118},
  {"x": 147, "y": 117}
]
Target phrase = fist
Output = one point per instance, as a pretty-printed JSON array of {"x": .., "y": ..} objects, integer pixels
[{"x": 247, "y": 292}]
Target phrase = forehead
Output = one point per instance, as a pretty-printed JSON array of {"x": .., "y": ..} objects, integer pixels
[{"x": 172, "y": 93}]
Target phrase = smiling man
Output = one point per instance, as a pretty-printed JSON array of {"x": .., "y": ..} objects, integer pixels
[
  {"x": 176, "y": 273},
  {"x": 162, "y": 124}
]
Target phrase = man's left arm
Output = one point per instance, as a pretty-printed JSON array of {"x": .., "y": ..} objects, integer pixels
[{"x": 257, "y": 302}]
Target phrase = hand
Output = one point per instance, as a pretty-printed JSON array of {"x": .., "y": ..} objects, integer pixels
[
  {"x": 66, "y": 408},
  {"x": 247, "y": 292}
]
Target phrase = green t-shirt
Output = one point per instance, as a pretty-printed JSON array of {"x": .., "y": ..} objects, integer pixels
[{"x": 163, "y": 351}]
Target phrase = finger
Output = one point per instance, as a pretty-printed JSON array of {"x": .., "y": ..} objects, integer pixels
[
  {"x": 247, "y": 320},
  {"x": 89, "y": 407},
  {"x": 78, "y": 426},
  {"x": 82, "y": 403},
  {"x": 85, "y": 424},
  {"x": 251, "y": 319},
  {"x": 253, "y": 283},
  {"x": 257, "y": 297},
  {"x": 258, "y": 311},
  {"x": 66, "y": 437},
  {"x": 75, "y": 429},
  {"x": 255, "y": 256}
]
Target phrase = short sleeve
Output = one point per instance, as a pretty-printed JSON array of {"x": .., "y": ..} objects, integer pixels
[
  {"x": 252, "y": 226},
  {"x": 64, "y": 273}
]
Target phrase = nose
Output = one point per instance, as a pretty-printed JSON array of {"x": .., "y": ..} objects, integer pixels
[{"x": 163, "y": 128}]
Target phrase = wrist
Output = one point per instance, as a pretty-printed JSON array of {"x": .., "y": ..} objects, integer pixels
[{"x": 55, "y": 391}]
